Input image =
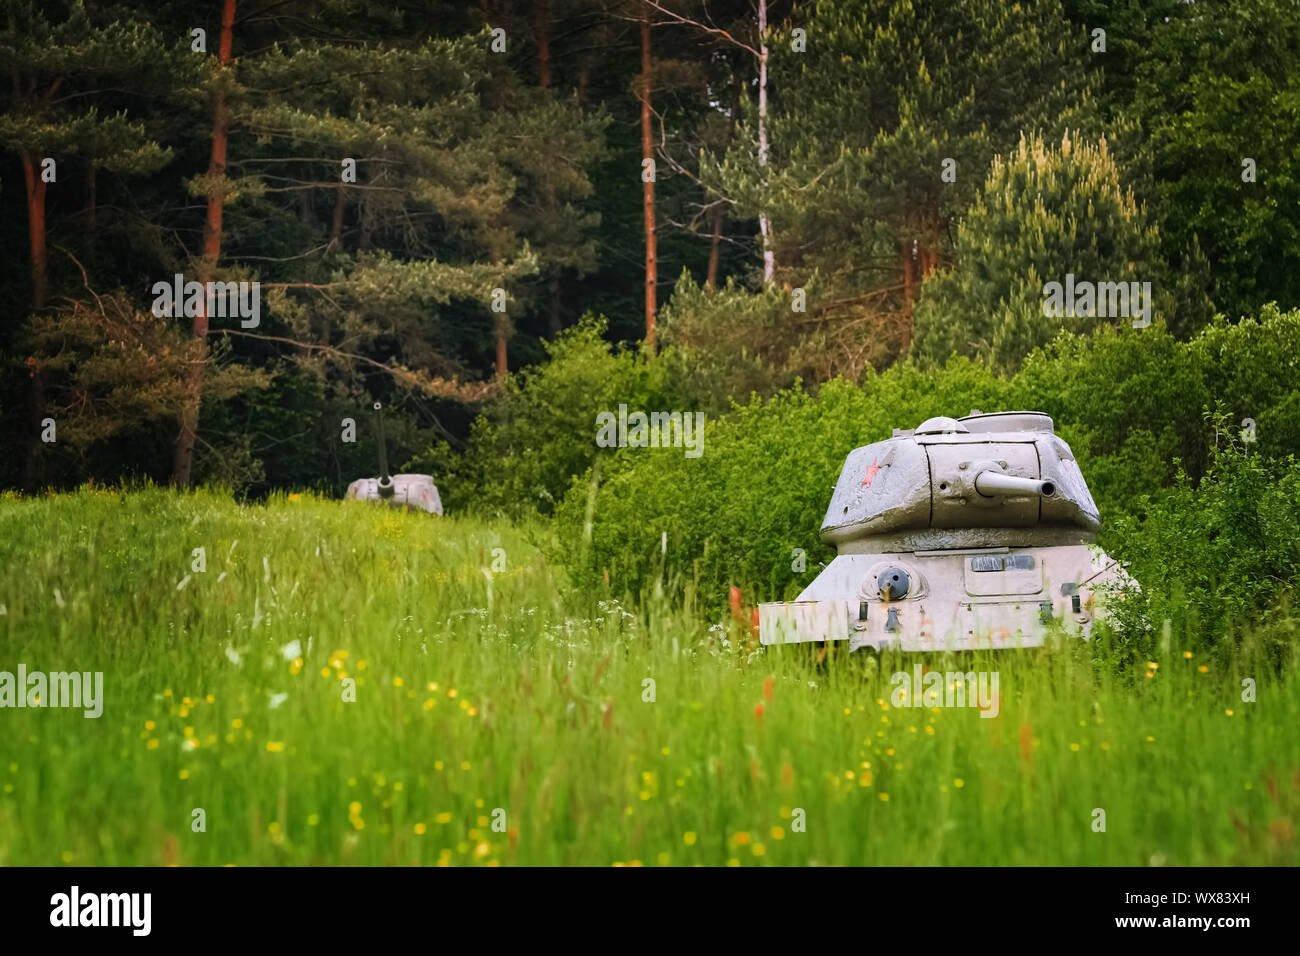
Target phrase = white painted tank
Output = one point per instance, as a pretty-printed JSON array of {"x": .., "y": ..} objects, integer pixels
[
  {"x": 416, "y": 492},
  {"x": 963, "y": 533}
]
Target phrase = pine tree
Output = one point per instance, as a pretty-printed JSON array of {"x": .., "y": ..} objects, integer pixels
[
  {"x": 438, "y": 183},
  {"x": 60, "y": 60},
  {"x": 53, "y": 114},
  {"x": 215, "y": 190},
  {"x": 887, "y": 115},
  {"x": 1218, "y": 96},
  {"x": 1044, "y": 212}
]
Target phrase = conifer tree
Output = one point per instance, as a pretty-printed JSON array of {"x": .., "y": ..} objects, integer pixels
[
  {"x": 64, "y": 66},
  {"x": 1218, "y": 96},
  {"x": 402, "y": 140},
  {"x": 1044, "y": 212},
  {"x": 57, "y": 59},
  {"x": 886, "y": 118}
]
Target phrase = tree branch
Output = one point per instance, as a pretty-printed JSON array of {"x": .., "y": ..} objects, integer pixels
[
  {"x": 712, "y": 31},
  {"x": 468, "y": 393}
]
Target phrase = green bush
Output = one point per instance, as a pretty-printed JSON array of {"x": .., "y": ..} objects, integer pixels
[
  {"x": 1253, "y": 367},
  {"x": 1217, "y": 559},
  {"x": 1128, "y": 401},
  {"x": 735, "y": 515},
  {"x": 1044, "y": 210},
  {"x": 729, "y": 342},
  {"x": 527, "y": 445}
]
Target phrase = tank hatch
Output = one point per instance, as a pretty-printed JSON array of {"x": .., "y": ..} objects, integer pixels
[
  {"x": 941, "y": 426},
  {"x": 1008, "y": 422}
]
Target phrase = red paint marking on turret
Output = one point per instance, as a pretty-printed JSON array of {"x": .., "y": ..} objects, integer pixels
[{"x": 871, "y": 473}]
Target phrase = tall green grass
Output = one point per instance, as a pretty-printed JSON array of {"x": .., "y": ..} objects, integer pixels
[{"x": 481, "y": 691}]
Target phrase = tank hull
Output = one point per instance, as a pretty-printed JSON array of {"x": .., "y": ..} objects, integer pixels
[{"x": 959, "y": 599}]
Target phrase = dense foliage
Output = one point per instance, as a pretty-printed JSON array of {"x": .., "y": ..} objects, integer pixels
[
  {"x": 1131, "y": 403},
  {"x": 858, "y": 213},
  {"x": 510, "y": 224},
  {"x": 1220, "y": 560},
  {"x": 430, "y": 194},
  {"x": 1044, "y": 212},
  {"x": 525, "y": 448}
]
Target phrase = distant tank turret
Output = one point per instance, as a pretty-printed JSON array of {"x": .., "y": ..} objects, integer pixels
[{"x": 416, "y": 492}]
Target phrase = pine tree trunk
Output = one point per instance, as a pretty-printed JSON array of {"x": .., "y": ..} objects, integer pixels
[
  {"x": 92, "y": 212},
  {"x": 503, "y": 365},
  {"x": 554, "y": 288},
  {"x": 648, "y": 190},
  {"x": 711, "y": 280},
  {"x": 367, "y": 216},
  {"x": 336, "y": 226},
  {"x": 36, "y": 229},
  {"x": 542, "y": 34},
  {"x": 35, "y": 185},
  {"x": 40, "y": 294},
  {"x": 720, "y": 212},
  {"x": 909, "y": 293},
  {"x": 183, "y": 463},
  {"x": 909, "y": 280}
]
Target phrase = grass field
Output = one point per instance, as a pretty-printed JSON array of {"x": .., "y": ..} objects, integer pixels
[{"x": 500, "y": 718}]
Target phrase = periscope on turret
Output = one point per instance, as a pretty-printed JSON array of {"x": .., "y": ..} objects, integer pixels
[{"x": 962, "y": 533}]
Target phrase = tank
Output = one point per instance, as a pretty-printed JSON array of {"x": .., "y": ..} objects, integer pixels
[
  {"x": 415, "y": 492},
  {"x": 960, "y": 534}
]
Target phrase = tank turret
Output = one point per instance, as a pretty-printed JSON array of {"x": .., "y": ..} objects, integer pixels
[
  {"x": 959, "y": 533},
  {"x": 416, "y": 492}
]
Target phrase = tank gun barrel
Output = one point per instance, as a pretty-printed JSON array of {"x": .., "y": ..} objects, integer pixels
[
  {"x": 997, "y": 484},
  {"x": 385, "y": 484}
]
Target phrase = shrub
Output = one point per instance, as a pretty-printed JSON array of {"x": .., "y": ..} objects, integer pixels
[
  {"x": 1219, "y": 560},
  {"x": 1128, "y": 401},
  {"x": 729, "y": 343},
  {"x": 1253, "y": 367},
  {"x": 736, "y": 514},
  {"x": 527, "y": 445}
]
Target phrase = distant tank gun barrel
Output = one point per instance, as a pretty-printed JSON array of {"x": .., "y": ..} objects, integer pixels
[
  {"x": 410, "y": 491},
  {"x": 997, "y": 484},
  {"x": 385, "y": 479}
]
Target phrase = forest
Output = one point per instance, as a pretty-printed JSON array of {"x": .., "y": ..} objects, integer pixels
[{"x": 436, "y": 199}]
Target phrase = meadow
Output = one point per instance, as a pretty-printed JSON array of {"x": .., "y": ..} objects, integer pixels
[{"x": 345, "y": 684}]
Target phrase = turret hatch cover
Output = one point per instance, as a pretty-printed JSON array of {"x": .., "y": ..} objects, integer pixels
[{"x": 941, "y": 425}]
